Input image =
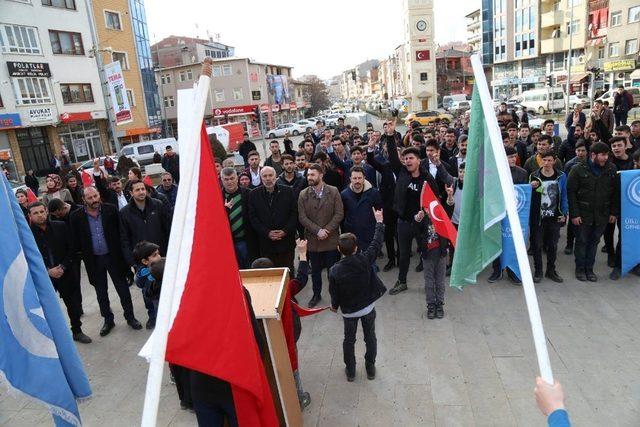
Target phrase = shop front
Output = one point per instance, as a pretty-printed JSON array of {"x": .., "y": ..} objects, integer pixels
[
  {"x": 621, "y": 72},
  {"x": 35, "y": 149},
  {"x": 244, "y": 114},
  {"x": 8, "y": 122},
  {"x": 81, "y": 136}
]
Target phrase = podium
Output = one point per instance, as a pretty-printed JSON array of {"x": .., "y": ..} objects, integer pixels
[{"x": 268, "y": 290}]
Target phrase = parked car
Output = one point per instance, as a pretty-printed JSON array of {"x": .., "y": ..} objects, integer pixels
[
  {"x": 579, "y": 100},
  {"x": 448, "y": 100},
  {"x": 143, "y": 152},
  {"x": 634, "y": 91},
  {"x": 426, "y": 117},
  {"x": 292, "y": 128},
  {"x": 460, "y": 106},
  {"x": 544, "y": 100},
  {"x": 88, "y": 165},
  {"x": 332, "y": 120}
]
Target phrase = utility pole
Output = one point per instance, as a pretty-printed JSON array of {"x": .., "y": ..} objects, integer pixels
[{"x": 570, "y": 54}]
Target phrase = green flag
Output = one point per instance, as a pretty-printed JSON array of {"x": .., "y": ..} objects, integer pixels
[{"x": 480, "y": 232}]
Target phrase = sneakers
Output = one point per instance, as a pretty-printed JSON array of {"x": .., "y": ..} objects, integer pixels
[
  {"x": 537, "y": 276},
  {"x": 351, "y": 375},
  {"x": 389, "y": 266},
  {"x": 419, "y": 267},
  {"x": 151, "y": 323},
  {"x": 495, "y": 276},
  {"x": 81, "y": 338},
  {"x": 591, "y": 276},
  {"x": 615, "y": 274},
  {"x": 314, "y": 301},
  {"x": 581, "y": 274},
  {"x": 305, "y": 399},
  {"x": 431, "y": 311},
  {"x": 397, "y": 288},
  {"x": 439, "y": 311},
  {"x": 568, "y": 250},
  {"x": 553, "y": 275},
  {"x": 371, "y": 371}
]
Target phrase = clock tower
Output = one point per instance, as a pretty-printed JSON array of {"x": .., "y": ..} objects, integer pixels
[{"x": 420, "y": 55}]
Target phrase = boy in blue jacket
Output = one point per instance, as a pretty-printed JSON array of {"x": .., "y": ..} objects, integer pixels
[{"x": 145, "y": 253}]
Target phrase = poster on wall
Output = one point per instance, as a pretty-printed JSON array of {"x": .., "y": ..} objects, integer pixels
[
  {"x": 279, "y": 88},
  {"x": 80, "y": 148},
  {"x": 118, "y": 93}
]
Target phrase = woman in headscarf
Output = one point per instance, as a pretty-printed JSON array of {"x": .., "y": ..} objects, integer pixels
[
  {"x": 54, "y": 190},
  {"x": 75, "y": 188}
]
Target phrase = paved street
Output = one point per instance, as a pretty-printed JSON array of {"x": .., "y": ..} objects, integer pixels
[{"x": 474, "y": 367}]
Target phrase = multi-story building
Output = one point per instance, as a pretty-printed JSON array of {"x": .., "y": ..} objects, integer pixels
[
  {"x": 487, "y": 34},
  {"x": 51, "y": 100},
  {"x": 115, "y": 23},
  {"x": 455, "y": 74},
  {"x": 238, "y": 87},
  {"x": 333, "y": 84},
  {"x": 474, "y": 30},
  {"x": 178, "y": 50}
]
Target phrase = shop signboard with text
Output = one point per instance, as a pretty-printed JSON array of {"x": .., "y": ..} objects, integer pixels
[
  {"x": 40, "y": 114},
  {"x": 118, "y": 93}
]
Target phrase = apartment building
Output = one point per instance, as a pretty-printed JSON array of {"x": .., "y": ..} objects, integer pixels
[
  {"x": 474, "y": 30},
  {"x": 179, "y": 50}
]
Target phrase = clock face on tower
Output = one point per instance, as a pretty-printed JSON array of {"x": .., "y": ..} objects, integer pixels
[{"x": 421, "y": 25}]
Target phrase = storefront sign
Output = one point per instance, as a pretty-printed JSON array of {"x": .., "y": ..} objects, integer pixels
[
  {"x": 41, "y": 114},
  {"x": 76, "y": 117},
  {"x": 28, "y": 69},
  {"x": 293, "y": 106},
  {"x": 623, "y": 65},
  {"x": 240, "y": 109},
  {"x": 10, "y": 121},
  {"x": 423, "y": 55},
  {"x": 118, "y": 93},
  {"x": 284, "y": 106}
]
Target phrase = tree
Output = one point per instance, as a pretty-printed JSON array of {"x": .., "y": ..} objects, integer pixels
[{"x": 316, "y": 93}]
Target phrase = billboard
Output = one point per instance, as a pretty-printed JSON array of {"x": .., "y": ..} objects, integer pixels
[
  {"x": 118, "y": 93},
  {"x": 279, "y": 88}
]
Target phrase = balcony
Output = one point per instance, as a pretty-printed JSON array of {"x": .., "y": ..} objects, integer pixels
[
  {"x": 551, "y": 45},
  {"x": 552, "y": 18}
]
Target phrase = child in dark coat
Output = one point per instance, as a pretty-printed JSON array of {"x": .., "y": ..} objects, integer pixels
[{"x": 144, "y": 254}]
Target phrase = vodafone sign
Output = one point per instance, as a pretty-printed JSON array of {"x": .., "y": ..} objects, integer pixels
[
  {"x": 423, "y": 55},
  {"x": 240, "y": 109}
]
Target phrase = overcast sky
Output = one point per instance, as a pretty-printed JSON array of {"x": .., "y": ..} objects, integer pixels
[{"x": 322, "y": 38}]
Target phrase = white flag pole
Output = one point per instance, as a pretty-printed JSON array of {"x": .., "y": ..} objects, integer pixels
[
  {"x": 514, "y": 220},
  {"x": 190, "y": 114}
]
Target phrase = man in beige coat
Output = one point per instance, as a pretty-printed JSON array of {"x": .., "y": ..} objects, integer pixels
[{"x": 320, "y": 212}]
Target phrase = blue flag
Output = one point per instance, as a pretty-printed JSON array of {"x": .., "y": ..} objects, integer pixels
[
  {"x": 630, "y": 219},
  {"x": 38, "y": 357},
  {"x": 508, "y": 257}
]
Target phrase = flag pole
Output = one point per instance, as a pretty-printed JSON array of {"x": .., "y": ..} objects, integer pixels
[
  {"x": 189, "y": 137},
  {"x": 514, "y": 221}
]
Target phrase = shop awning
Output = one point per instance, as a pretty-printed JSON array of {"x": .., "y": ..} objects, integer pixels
[
  {"x": 141, "y": 131},
  {"x": 578, "y": 77},
  {"x": 76, "y": 117},
  {"x": 635, "y": 74}
]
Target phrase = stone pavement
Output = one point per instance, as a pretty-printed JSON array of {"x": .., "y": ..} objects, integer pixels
[{"x": 474, "y": 367}]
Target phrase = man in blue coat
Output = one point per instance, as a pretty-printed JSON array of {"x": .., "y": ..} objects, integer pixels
[
  {"x": 359, "y": 200},
  {"x": 357, "y": 159}
]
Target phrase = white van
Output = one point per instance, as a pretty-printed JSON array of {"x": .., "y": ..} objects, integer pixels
[
  {"x": 143, "y": 152},
  {"x": 448, "y": 100},
  {"x": 543, "y": 100}
]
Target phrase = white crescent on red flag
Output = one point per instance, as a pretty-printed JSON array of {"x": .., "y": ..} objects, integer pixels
[{"x": 439, "y": 218}]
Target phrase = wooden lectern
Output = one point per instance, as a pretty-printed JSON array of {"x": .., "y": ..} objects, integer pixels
[{"x": 268, "y": 290}]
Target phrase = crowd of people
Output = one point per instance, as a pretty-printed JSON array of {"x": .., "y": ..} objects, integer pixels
[{"x": 339, "y": 196}]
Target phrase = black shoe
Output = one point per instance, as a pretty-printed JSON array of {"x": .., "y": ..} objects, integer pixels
[
  {"x": 591, "y": 276},
  {"x": 514, "y": 279},
  {"x": 553, "y": 275},
  {"x": 580, "y": 274},
  {"x": 81, "y": 338},
  {"x": 419, "y": 267},
  {"x": 371, "y": 371},
  {"x": 537, "y": 277},
  {"x": 611, "y": 260},
  {"x": 134, "y": 324},
  {"x": 389, "y": 266},
  {"x": 568, "y": 250},
  {"x": 431, "y": 311},
  {"x": 495, "y": 276},
  {"x": 106, "y": 328},
  {"x": 439, "y": 311},
  {"x": 615, "y": 274},
  {"x": 305, "y": 399},
  {"x": 636, "y": 270},
  {"x": 351, "y": 375},
  {"x": 151, "y": 323},
  {"x": 185, "y": 406},
  {"x": 314, "y": 301},
  {"x": 397, "y": 288}
]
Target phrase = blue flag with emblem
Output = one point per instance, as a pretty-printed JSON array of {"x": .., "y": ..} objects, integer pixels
[
  {"x": 38, "y": 358},
  {"x": 508, "y": 257},
  {"x": 630, "y": 220}
]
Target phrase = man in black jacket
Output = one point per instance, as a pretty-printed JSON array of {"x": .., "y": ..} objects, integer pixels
[
  {"x": 246, "y": 146},
  {"x": 273, "y": 211},
  {"x": 410, "y": 178},
  {"x": 54, "y": 242},
  {"x": 354, "y": 287},
  {"x": 96, "y": 231},
  {"x": 236, "y": 202}
]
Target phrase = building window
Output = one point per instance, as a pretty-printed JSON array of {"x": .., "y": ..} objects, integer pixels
[
  {"x": 217, "y": 71},
  {"x": 112, "y": 20},
  {"x": 226, "y": 70},
  {"x": 19, "y": 39},
  {"x": 616, "y": 18},
  {"x": 64, "y": 4},
  {"x": 237, "y": 94},
  {"x": 76, "y": 93},
  {"x": 122, "y": 58},
  {"x": 573, "y": 3},
  {"x": 189, "y": 74},
  {"x": 601, "y": 52},
  {"x": 168, "y": 101},
  {"x": 614, "y": 49},
  {"x": 219, "y": 94},
  {"x": 256, "y": 95},
  {"x": 165, "y": 79},
  {"x": 131, "y": 98},
  {"x": 424, "y": 77},
  {"x": 573, "y": 27},
  {"x": 631, "y": 47},
  {"x": 634, "y": 14},
  {"x": 31, "y": 90},
  {"x": 66, "y": 43}
]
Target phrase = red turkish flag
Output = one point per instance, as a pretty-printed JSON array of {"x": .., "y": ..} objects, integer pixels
[
  {"x": 439, "y": 218},
  {"x": 148, "y": 181},
  {"x": 87, "y": 180},
  {"x": 212, "y": 331},
  {"x": 30, "y": 196}
]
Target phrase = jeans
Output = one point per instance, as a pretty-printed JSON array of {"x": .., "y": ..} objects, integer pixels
[
  {"x": 548, "y": 231},
  {"x": 102, "y": 267},
  {"x": 242, "y": 254},
  {"x": 571, "y": 234},
  {"x": 214, "y": 415},
  {"x": 319, "y": 261},
  {"x": 587, "y": 238},
  {"x": 152, "y": 310},
  {"x": 435, "y": 267},
  {"x": 612, "y": 249},
  {"x": 183, "y": 384},
  {"x": 348, "y": 345},
  {"x": 406, "y": 233},
  {"x": 621, "y": 117},
  {"x": 69, "y": 291}
]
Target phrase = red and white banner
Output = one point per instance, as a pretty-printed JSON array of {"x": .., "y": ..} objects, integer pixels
[
  {"x": 237, "y": 110},
  {"x": 423, "y": 55},
  {"x": 439, "y": 218}
]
